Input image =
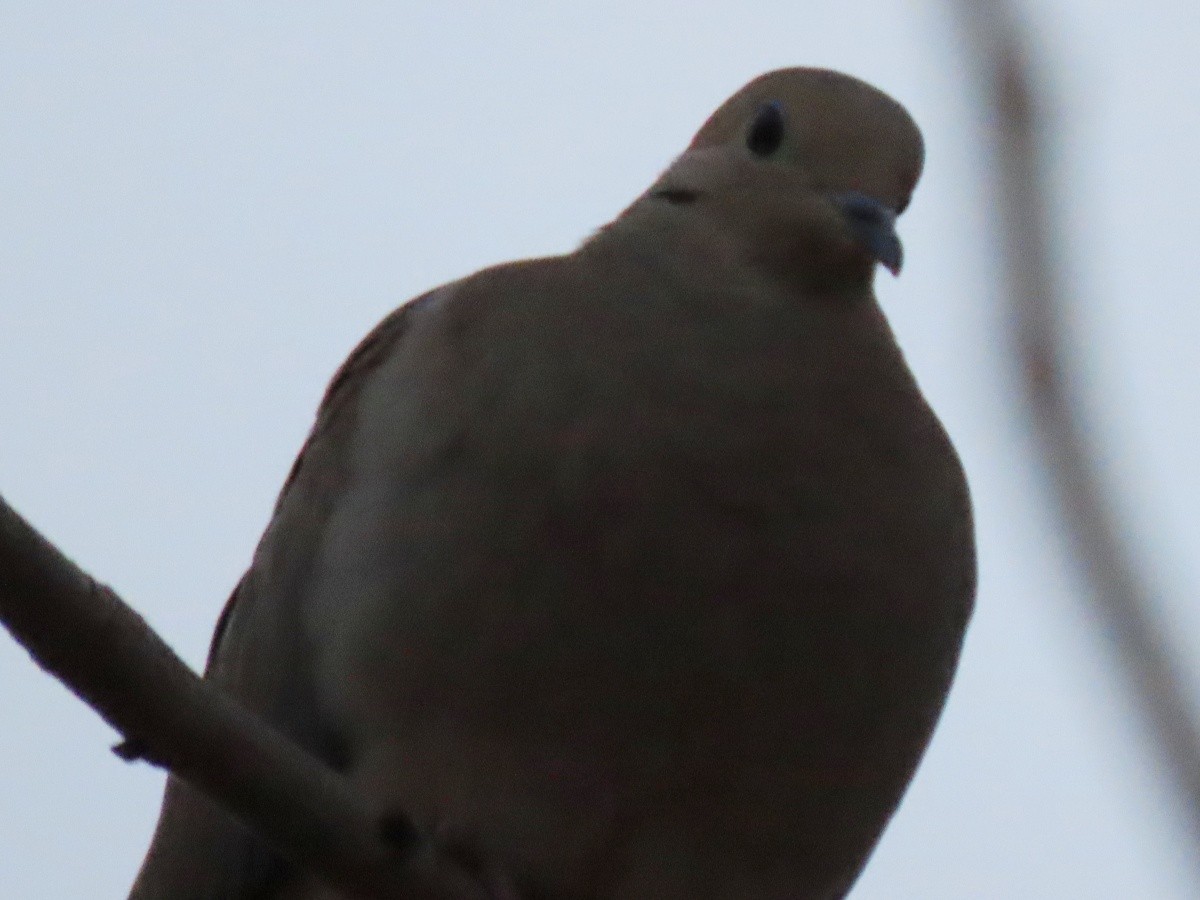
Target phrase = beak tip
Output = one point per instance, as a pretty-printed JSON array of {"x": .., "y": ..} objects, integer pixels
[{"x": 873, "y": 225}]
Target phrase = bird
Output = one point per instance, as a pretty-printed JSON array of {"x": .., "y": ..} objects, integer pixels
[{"x": 640, "y": 571}]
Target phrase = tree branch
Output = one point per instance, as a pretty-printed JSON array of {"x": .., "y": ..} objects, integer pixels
[
  {"x": 82, "y": 633},
  {"x": 1123, "y": 603}
]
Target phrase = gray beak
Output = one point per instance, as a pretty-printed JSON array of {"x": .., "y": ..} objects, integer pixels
[{"x": 874, "y": 224}]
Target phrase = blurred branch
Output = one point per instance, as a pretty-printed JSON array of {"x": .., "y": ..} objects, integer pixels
[
  {"x": 83, "y": 634},
  {"x": 1123, "y": 605}
]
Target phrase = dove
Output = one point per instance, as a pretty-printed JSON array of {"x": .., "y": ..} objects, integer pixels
[{"x": 636, "y": 572}]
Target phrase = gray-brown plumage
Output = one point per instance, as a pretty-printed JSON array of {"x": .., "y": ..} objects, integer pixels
[{"x": 639, "y": 572}]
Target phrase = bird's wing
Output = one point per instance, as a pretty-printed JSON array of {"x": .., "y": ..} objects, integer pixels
[
  {"x": 199, "y": 851},
  {"x": 343, "y": 388}
]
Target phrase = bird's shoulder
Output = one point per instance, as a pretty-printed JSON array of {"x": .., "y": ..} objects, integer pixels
[
  {"x": 473, "y": 300},
  {"x": 383, "y": 340}
]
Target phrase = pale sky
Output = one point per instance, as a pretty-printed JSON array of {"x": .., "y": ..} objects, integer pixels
[{"x": 204, "y": 206}]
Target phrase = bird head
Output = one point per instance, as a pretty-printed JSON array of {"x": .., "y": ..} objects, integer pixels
[{"x": 809, "y": 169}]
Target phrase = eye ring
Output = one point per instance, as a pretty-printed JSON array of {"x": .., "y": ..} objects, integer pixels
[{"x": 765, "y": 135}]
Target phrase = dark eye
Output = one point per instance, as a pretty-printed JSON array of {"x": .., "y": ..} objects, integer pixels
[{"x": 766, "y": 131}]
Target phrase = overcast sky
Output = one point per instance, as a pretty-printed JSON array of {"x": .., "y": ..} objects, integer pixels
[{"x": 204, "y": 206}]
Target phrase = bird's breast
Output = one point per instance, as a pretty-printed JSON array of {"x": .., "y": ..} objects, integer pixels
[{"x": 591, "y": 574}]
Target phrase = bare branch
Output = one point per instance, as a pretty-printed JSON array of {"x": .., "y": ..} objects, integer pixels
[
  {"x": 1123, "y": 604},
  {"x": 83, "y": 634}
]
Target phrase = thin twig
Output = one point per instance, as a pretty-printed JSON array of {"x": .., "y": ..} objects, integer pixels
[
  {"x": 1123, "y": 603},
  {"x": 83, "y": 634}
]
